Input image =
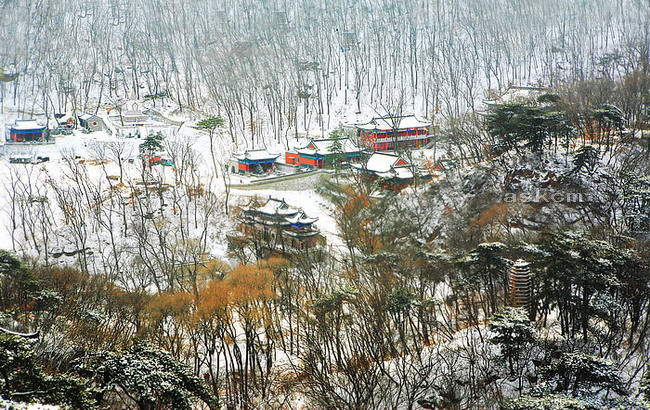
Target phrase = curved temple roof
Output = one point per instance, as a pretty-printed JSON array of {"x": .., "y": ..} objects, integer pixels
[
  {"x": 290, "y": 214},
  {"x": 26, "y": 125},
  {"x": 391, "y": 123},
  {"x": 387, "y": 165},
  {"x": 325, "y": 146},
  {"x": 381, "y": 162},
  {"x": 255, "y": 155}
]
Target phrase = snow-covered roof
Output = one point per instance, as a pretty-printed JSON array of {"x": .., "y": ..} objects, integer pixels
[
  {"x": 516, "y": 94},
  {"x": 26, "y": 125},
  {"x": 301, "y": 218},
  {"x": 133, "y": 113},
  {"x": 276, "y": 206},
  {"x": 255, "y": 155},
  {"x": 129, "y": 116},
  {"x": 85, "y": 116},
  {"x": 382, "y": 162},
  {"x": 324, "y": 146},
  {"x": 397, "y": 172},
  {"x": 387, "y": 165},
  {"x": 391, "y": 123},
  {"x": 64, "y": 119},
  {"x": 290, "y": 213}
]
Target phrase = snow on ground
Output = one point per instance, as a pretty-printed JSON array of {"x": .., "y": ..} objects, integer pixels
[
  {"x": 85, "y": 146},
  {"x": 298, "y": 193}
]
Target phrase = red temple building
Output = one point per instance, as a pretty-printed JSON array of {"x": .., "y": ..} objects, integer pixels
[
  {"x": 26, "y": 131},
  {"x": 394, "y": 132},
  {"x": 256, "y": 161},
  {"x": 318, "y": 153}
]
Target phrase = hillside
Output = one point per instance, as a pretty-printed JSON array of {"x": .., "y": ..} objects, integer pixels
[{"x": 325, "y": 204}]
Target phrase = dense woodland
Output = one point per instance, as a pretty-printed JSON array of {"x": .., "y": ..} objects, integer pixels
[
  {"x": 273, "y": 68},
  {"x": 413, "y": 310}
]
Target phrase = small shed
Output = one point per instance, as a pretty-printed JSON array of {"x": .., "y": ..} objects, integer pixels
[
  {"x": 91, "y": 122},
  {"x": 65, "y": 121}
]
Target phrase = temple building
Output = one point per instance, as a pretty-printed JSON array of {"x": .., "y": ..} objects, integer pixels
[
  {"x": 256, "y": 161},
  {"x": 26, "y": 131},
  {"x": 390, "y": 170},
  {"x": 133, "y": 118},
  {"x": 394, "y": 132},
  {"x": 319, "y": 153},
  {"x": 280, "y": 226}
]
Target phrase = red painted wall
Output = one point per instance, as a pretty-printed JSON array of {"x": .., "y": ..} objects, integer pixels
[
  {"x": 317, "y": 163},
  {"x": 369, "y": 137},
  {"x": 292, "y": 158},
  {"x": 308, "y": 161},
  {"x": 404, "y": 143},
  {"x": 20, "y": 137}
]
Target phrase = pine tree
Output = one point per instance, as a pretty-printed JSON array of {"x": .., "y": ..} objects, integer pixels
[
  {"x": 585, "y": 158},
  {"x": 151, "y": 144},
  {"x": 512, "y": 332},
  {"x": 24, "y": 380},
  {"x": 148, "y": 376},
  {"x": 582, "y": 375}
]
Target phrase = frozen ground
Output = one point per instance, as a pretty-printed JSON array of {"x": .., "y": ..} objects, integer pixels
[{"x": 299, "y": 193}]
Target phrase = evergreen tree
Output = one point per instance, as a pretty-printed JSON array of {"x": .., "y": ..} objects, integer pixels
[
  {"x": 148, "y": 376},
  {"x": 25, "y": 381},
  {"x": 572, "y": 272},
  {"x": 585, "y": 158},
  {"x": 548, "y": 402},
  {"x": 512, "y": 332},
  {"x": 582, "y": 375},
  {"x": 17, "y": 283},
  {"x": 152, "y": 144},
  {"x": 210, "y": 124},
  {"x": 520, "y": 124}
]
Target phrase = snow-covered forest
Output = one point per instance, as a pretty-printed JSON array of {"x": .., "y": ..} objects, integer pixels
[
  {"x": 199, "y": 207},
  {"x": 276, "y": 68}
]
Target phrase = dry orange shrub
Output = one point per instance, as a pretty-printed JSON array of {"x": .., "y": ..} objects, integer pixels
[
  {"x": 214, "y": 298},
  {"x": 448, "y": 210},
  {"x": 274, "y": 263},
  {"x": 244, "y": 285},
  {"x": 169, "y": 304},
  {"x": 250, "y": 283},
  {"x": 490, "y": 215},
  {"x": 431, "y": 166},
  {"x": 360, "y": 227}
]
